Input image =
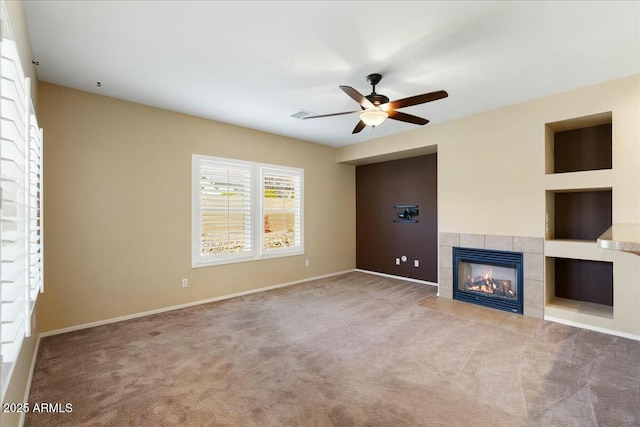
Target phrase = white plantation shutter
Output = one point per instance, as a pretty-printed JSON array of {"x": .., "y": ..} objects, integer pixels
[
  {"x": 36, "y": 261},
  {"x": 243, "y": 211},
  {"x": 13, "y": 226},
  {"x": 20, "y": 208},
  {"x": 281, "y": 209},
  {"x": 224, "y": 210}
]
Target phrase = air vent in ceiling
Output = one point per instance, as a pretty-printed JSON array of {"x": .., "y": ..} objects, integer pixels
[{"x": 302, "y": 114}]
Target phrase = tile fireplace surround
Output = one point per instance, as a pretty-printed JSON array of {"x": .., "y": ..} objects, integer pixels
[{"x": 531, "y": 247}]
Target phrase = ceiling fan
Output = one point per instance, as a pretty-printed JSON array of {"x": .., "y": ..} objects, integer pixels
[{"x": 376, "y": 108}]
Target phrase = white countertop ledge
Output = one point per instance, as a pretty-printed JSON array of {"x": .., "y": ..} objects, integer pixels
[{"x": 621, "y": 237}]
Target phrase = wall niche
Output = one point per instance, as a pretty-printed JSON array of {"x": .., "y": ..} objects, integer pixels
[
  {"x": 582, "y": 215},
  {"x": 580, "y": 144},
  {"x": 579, "y": 207},
  {"x": 583, "y": 149},
  {"x": 578, "y": 165},
  {"x": 584, "y": 280}
]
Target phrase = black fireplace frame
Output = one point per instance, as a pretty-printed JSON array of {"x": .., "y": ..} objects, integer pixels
[{"x": 490, "y": 257}]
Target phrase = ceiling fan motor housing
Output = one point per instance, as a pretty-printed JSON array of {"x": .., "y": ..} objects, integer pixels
[
  {"x": 374, "y": 79},
  {"x": 377, "y": 99}
]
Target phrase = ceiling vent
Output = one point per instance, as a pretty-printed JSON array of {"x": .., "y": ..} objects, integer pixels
[{"x": 302, "y": 114}]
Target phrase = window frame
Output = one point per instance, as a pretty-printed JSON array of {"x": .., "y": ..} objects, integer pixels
[
  {"x": 257, "y": 210},
  {"x": 21, "y": 209},
  {"x": 293, "y": 250}
]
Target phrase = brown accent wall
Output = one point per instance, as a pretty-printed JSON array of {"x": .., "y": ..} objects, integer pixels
[{"x": 379, "y": 241}]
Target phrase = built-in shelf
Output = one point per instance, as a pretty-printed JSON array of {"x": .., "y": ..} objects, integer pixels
[
  {"x": 580, "y": 144},
  {"x": 621, "y": 237},
  {"x": 579, "y": 285},
  {"x": 578, "y": 214},
  {"x": 568, "y": 309},
  {"x": 583, "y": 149},
  {"x": 578, "y": 249},
  {"x": 584, "y": 280},
  {"x": 582, "y": 215},
  {"x": 587, "y": 180}
]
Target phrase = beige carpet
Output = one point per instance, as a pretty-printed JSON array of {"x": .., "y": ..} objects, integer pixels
[{"x": 353, "y": 350}]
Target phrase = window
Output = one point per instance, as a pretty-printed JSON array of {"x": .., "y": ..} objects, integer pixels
[
  {"x": 244, "y": 211},
  {"x": 224, "y": 194},
  {"x": 20, "y": 206},
  {"x": 281, "y": 214}
]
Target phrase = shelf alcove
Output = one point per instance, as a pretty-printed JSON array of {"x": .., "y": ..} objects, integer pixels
[
  {"x": 584, "y": 280},
  {"x": 580, "y": 285},
  {"x": 580, "y": 144},
  {"x": 582, "y": 215},
  {"x": 579, "y": 207},
  {"x": 583, "y": 149}
]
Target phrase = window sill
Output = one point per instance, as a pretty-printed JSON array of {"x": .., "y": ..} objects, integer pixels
[{"x": 268, "y": 256}]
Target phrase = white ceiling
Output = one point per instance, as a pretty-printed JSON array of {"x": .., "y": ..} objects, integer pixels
[{"x": 256, "y": 63}]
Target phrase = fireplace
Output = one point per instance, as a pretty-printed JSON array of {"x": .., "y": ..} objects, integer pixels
[{"x": 488, "y": 277}]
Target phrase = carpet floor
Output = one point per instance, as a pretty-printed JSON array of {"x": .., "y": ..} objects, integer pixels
[{"x": 351, "y": 350}]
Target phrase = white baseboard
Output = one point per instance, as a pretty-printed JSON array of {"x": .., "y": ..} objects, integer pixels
[
  {"x": 592, "y": 328},
  {"x": 391, "y": 276},
  {"x": 186, "y": 305},
  {"x": 32, "y": 369}
]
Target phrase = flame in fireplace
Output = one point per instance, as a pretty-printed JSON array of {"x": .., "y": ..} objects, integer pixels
[{"x": 488, "y": 285}]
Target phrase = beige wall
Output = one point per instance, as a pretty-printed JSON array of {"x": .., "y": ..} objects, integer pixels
[
  {"x": 483, "y": 157},
  {"x": 117, "y": 208},
  {"x": 18, "y": 385},
  {"x": 491, "y": 176}
]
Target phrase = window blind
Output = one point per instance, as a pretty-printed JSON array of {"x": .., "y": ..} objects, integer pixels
[
  {"x": 244, "y": 211},
  {"x": 21, "y": 250},
  {"x": 35, "y": 229},
  {"x": 13, "y": 263},
  {"x": 281, "y": 208},
  {"x": 225, "y": 209}
]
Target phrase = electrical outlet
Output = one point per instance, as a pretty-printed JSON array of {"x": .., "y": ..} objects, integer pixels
[
  {"x": 306, "y": 263},
  {"x": 416, "y": 263},
  {"x": 185, "y": 283}
]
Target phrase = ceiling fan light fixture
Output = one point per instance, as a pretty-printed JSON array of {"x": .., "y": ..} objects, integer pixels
[
  {"x": 375, "y": 108},
  {"x": 373, "y": 118}
]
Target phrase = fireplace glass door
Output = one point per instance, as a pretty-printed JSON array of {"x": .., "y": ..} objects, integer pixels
[{"x": 488, "y": 277}]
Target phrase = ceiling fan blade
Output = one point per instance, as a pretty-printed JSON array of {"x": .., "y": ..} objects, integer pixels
[
  {"x": 358, "y": 97},
  {"x": 330, "y": 115},
  {"x": 415, "y": 100},
  {"x": 359, "y": 127},
  {"x": 409, "y": 118}
]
